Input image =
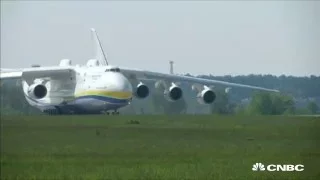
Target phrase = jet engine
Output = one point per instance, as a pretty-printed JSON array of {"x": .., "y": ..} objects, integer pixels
[
  {"x": 141, "y": 91},
  {"x": 206, "y": 96},
  {"x": 174, "y": 93},
  {"x": 37, "y": 91}
]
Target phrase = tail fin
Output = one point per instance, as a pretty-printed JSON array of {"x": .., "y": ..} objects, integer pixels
[{"x": 100, "y": 55}]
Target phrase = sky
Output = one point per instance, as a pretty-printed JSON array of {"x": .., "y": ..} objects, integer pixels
[{"x": 202, "y": 38}]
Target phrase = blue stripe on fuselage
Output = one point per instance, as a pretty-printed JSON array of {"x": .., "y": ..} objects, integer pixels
[
  {"x": 106, "y": 99},
  {"x": 83, "y": 104}
]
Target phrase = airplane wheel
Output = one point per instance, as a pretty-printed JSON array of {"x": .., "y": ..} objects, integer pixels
[{"x": 115, "y": 112}]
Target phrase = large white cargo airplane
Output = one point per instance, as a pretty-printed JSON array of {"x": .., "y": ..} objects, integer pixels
[{"x": 99, "y": 87}]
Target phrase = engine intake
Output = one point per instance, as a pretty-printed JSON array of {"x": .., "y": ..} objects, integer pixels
[
  {"x": 174, "y": 93},
  {"x": 142, "y": 91},
  {"x": 206, "y": 96},
  {"x": 37, "y": 91}
]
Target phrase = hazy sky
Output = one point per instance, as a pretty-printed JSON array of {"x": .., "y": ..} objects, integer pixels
[{"x": 208, "y": 37}]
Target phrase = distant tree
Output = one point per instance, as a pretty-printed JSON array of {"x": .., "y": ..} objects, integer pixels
[
  {"x": 261, "y": 103},
  {"x": 240, "y": 109},
  {"x": 282, "y": 104},
  {"x": 271, "y": 104},
  {"x": 312, "y": 107}
]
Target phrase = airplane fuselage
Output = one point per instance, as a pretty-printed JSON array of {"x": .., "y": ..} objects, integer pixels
[{"x": 96, "y": 90}]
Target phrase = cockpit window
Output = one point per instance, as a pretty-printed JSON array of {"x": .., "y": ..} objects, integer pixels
[{"x": 113, "y": 70}]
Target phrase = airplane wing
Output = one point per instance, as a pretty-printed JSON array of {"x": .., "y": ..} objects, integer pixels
[
  {"x": 154, "y": 76},
  {"x": 134, "y": 75},
  {"x": 10, "y": 75},
  {"x": 40, "y": 72},
  {"x": 62, "y": 79}
]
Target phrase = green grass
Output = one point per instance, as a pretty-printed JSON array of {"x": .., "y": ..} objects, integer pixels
[{"x": 157, "y": 147}]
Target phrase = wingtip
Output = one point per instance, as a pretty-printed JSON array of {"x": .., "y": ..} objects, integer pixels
[{"x": 92, "y": 29}]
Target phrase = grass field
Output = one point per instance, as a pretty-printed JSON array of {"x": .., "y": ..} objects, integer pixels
[{"x": 157, "y": 147}]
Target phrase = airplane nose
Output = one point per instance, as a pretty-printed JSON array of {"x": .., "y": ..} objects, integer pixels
[
  {"x": 116, "y": 82},
  {"x": 124, "y": 84}
]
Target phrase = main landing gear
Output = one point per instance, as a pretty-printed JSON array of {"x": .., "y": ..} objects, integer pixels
[{"x": 113, "y": 113}]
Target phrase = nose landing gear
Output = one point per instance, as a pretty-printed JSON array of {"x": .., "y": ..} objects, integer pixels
[{"x": 53, "y": 112}]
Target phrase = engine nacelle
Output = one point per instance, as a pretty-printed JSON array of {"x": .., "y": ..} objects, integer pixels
[
  {"x": 206, "y": 96},
  {"x": 37, "y": 91},
  {"x": 141, "y": 91},
  {"x": 174, "y": 93}
]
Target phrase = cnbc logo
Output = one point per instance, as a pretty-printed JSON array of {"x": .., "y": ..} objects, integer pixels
[
  {"x": 258, "y": 167},
  {"x": 277, "y": 167}
]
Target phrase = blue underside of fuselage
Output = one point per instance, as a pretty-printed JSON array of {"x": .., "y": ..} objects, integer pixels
[{"x": 86, "y": 105}]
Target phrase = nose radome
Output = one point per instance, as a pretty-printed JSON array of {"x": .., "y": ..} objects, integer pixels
[
  {"x": 117, "y": 82},
  {"x": 124, "y": 84}
]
